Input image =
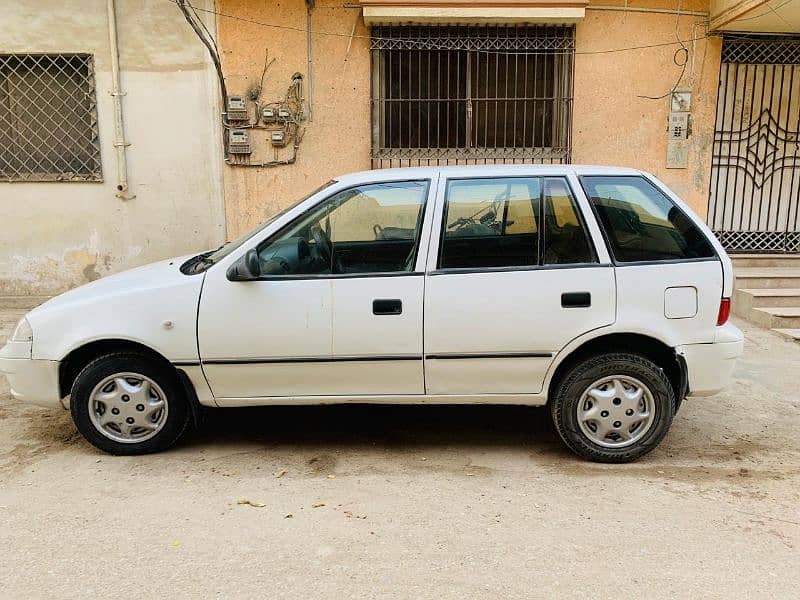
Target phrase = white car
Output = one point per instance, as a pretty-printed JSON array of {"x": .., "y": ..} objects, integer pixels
[{"x": 592, "y": 290}]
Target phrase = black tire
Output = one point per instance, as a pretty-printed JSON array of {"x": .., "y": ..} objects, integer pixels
[
  {"x": 178, "y": 413},
  {"x": 571, "y": 387}
]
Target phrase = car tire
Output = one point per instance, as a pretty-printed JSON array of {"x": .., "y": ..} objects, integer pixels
[
  {"x": 129, "y": 404},
  {"x": 613, "y": 408}
]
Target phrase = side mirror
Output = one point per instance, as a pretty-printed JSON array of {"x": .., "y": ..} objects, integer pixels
[{"x": 247, "y": 268}]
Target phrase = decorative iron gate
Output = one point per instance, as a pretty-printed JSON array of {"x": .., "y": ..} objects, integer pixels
[{"x": 754, "y": 198}]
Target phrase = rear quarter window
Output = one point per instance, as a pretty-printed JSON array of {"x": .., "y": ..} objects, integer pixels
[{"x": 641, "y": 223}]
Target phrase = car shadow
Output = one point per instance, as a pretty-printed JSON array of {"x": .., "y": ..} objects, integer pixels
[{"x": 388, "y": 425}]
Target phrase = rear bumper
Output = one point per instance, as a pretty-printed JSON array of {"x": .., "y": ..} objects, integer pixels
[
  {"x": 31, "y": 380},
  {"x": 710, "y": 366}
]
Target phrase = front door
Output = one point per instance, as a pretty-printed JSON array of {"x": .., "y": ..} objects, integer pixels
[
  {"x": 337, "y": 310},
  {"x": 516, "y": 279}
]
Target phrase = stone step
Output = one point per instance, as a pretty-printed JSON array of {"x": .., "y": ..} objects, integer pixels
[
  {"x": 746, "y": 299},
  {"x": 765, "y": 260},
  {"x": 767, "y": 277},
  {"x": 792, "y": 334},
  {"x": 779, "y": 317}
]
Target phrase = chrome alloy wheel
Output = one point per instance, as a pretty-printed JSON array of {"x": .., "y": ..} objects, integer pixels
[
  {"x": 128, "y": 408},
  {"x": 616, "y": 411}
]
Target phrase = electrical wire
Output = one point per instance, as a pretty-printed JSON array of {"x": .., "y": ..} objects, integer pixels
[
  {"x": 765, "y": 13},
  {"x": 680, "y": 58},
  {"x": 425, "y": 45}
]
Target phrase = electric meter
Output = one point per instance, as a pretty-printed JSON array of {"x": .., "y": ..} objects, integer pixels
[
  {"x": 239, "y": 142},
  {"x": 278, "y": 138},
  {"x": 237, "y": 108}
]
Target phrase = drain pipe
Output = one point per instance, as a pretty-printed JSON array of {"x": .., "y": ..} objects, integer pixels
[
  {"x": 120, "y": 144},
  {"x": 309, "y": 60}
]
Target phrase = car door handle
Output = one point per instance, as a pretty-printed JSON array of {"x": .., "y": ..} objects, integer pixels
[
  {"x": 576, "y": 299},
  {"x": 387, "y": 307}
]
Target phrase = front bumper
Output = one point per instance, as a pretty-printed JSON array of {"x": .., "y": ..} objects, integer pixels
[
  {"x": 31, "y": 380},
  {"x": 710, "y": 366}
]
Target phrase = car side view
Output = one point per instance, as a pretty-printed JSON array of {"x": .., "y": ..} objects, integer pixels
[{"x": 592, "y": 290}]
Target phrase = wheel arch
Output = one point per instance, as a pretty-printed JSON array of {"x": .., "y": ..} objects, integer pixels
[
  {"x": 661, "y": 354},
  {"x": 74, "y": 362}
]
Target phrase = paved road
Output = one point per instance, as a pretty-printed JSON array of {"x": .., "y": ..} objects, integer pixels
[{"x": 411, "y": 502}]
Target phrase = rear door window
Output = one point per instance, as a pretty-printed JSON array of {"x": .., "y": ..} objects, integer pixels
[
  {"x": 565, "y": 237},
  {"x": 641, "y": 223},
  {"x": 491, "y": 223}
]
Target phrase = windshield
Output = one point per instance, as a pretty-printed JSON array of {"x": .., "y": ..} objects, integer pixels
[{"x": 202, "y": 261}]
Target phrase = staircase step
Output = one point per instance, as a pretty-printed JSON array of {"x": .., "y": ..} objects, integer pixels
[
  {"x": 745, "y": 299},
  {"x": 767, "y": 277},
  {"x": 765, "y": 260},
  {"x": 792, "y": 334},
  {"x": 778, "y": 317}
]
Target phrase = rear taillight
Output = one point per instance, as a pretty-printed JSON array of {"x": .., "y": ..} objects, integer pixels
[{"x": 724, "y": 311}]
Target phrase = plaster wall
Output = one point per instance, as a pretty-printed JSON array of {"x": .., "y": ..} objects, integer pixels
[
  {"x": 611, "y": 124},
  {"x": 58, "y": 235}
]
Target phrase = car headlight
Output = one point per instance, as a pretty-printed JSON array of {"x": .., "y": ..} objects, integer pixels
[{"x": 22, "y": 332}]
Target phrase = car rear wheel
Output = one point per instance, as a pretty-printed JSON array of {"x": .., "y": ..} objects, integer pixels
[
  {"x": 126, "y": 403},
  {"x": 613, "y": 407}
]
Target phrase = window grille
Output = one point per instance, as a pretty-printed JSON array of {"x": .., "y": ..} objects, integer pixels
[
  {"x": 48, "y": 118},
  {"x": 445, "y": 95}
]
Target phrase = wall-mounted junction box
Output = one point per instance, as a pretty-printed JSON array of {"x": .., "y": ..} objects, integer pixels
[
  {"x": 239, "y": 142},
  {"x": 237, "y": 108},
  {"x": 269, "y": 114},
  {"x": 278, "y": 138},
  {"x": 678, "y": 129}
]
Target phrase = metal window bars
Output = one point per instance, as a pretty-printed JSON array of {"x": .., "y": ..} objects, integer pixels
[
  {"x": 48, "y": 118},
  {"x": 456, "y": 95}
]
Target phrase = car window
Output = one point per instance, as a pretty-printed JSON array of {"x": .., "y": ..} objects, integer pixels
[
  {"x": 491, "y": 223},
  {"x": 565, "y": 237},
  {"x": 641, "y": 223},
  {"x": 371, "y": 228}
]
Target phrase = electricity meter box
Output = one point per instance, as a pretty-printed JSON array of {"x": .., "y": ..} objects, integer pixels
[
  {"x": 269, "y": 114},
  {"x": 278, "y": 138},
  {"x": 239, "y": 142},
  {"x": 237, "y": 108}
]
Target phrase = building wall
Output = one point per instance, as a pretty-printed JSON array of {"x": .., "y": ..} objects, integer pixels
[
  {"x": 59, "y": 235},
  {"x": 338, "y": 139},
  {"x": 612, "y": 125}
]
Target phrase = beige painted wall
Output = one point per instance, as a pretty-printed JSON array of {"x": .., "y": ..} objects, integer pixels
[
  {"x": 611, "y": 125},
  {"x": 338, "y": 139},
  {"x": 59, "y": 235}
]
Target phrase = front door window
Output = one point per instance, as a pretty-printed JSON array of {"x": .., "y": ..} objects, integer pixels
[{"x": 371, "y": 228}]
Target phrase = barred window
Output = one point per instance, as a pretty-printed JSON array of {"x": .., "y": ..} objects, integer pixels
[
  {"x": 464, "y": 94},
  {"x": 48, "y": 118}
]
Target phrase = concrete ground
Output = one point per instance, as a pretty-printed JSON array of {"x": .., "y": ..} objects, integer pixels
[{"x": 412, "y": 502}]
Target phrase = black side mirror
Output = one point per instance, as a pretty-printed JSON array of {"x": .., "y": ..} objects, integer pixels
[{"x": 247, "y": 268}]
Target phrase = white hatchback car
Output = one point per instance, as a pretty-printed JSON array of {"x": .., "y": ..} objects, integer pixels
[{"x": 592, "y": 290}]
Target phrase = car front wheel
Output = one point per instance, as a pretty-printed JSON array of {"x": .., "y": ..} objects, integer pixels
[
  {"x": 125, "y": 403},
  {"x": 613, "y": 407}
]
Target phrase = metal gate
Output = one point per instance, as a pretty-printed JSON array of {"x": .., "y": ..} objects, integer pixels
[{"x": 754, "y": 198}]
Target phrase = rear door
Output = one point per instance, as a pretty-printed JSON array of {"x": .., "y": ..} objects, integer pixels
[
  {"x": 670, "y": 278},
  {"x": 513, "y": 277}
]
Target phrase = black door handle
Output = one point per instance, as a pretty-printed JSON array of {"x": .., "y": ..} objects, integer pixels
[
  {"x": 576, "y": 299},
  {"x": 387, "y": 307}
]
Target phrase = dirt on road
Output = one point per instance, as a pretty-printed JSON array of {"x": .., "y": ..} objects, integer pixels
[{"x": 411, "y": 502}]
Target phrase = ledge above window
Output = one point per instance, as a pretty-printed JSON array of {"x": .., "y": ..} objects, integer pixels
[{"x": 472, "y": 12}]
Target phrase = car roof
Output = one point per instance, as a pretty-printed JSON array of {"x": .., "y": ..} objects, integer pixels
[{"x": 483, "y": 171}]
